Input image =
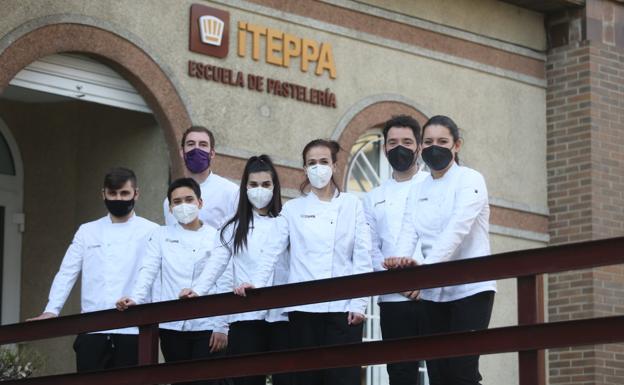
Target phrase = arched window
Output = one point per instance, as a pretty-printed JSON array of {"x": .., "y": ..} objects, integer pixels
[{"x": 368, "y": 165}]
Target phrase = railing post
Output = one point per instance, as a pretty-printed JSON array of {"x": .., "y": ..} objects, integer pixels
[
  {"x": 530, "y": 362},
  {"x": 148, "y": 344}
]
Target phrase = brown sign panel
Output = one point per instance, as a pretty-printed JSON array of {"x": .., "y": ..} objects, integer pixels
[{"x": 209, "y": 31}]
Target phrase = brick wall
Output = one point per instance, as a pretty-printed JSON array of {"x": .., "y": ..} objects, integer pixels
[{"x": 585, "y": 160}]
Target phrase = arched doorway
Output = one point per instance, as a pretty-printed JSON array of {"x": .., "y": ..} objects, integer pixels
[
  {"x": 11, "y": 226},
  {"x": 67, "y": 144}
]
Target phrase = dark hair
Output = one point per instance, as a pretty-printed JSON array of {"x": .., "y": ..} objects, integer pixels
[
  {"x": 444, "y": 121},
  {"x": 184, "y": 182},
  {"x": 198, "y": 129},
  {"x": 116, "y": 177},
  {"x": 243, "y": 219},
  {"x": 402, "y": 121},
  {"x": 334, "y": 149}
]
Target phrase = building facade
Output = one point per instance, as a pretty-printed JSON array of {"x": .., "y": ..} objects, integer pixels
[{"x": 536, "y": 87}]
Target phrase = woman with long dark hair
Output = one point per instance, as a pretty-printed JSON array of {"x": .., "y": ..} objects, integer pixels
[
  {"x": 328, "y": 237},
  {"x": 242, "y": 239},
  {"x": 449, "y": 213}
]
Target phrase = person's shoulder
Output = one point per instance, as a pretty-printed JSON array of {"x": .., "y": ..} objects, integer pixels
[
  {"x": 224, "y": 182},
  {"x": 208, "y": 229},
  {"x": 377, "y": 190},
  {"x": 349, "y": 198},
  {"x": 469, "y": 177},
  {"x": 294, "y": 204},
  {"x": 470, "y": 173},
  {"x": 420, "y": 176},
  {"x": 145, "y": 222},
  {"x": 94, "y": 224}
]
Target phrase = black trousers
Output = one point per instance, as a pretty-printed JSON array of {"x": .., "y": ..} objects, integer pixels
[
  {"x": 255, "y": 337},
  {"x": 182, "y": 346},
  {"x": 470, "y": 313},
  {"x": 105, "y": 351},
  {"x": 400, "y": 320},
  {"x": 320, "y": 329}
]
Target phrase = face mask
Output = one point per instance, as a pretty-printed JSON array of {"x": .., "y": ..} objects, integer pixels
[
  {"x": 437, "y": 157},
  {"x": 319, "y": 175},
  {"x": 401, "y": 158},
  {"x": 197, "y": 160},
  {"x": 119, "y": 208},
  {"x": 185, "y": 213},
  {"x": 259, "y": 196}
]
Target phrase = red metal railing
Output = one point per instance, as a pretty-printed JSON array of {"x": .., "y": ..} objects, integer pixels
[{"x": 527, "y": 338}]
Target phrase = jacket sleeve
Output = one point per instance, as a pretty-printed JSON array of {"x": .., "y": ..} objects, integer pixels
[
  {"x": 169, "y": 218},
  {"x": 151, "y": 265},
  {"x": 408, "y": 237},
  {"x": 471, "y": 198},
  {"x": 362, "y": 262},
  {"x": 216, "y": 265},
  {"x": 277, "y": 244},
  {"x": 67, "y": 275},
  {"x": 224, "y": 285},
  {"x": 369, "y": 212}
]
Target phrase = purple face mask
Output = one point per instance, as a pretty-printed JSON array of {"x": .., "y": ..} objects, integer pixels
[{"x": 197, "y": 160}]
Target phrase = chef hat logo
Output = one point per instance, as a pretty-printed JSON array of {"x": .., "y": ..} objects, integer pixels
[{"x": 211, "y": 30}]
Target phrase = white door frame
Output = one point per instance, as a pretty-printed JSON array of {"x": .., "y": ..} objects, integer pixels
[{"x": 11, "y": 198}]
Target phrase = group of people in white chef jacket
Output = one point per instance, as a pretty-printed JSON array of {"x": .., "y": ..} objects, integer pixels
[{"x": 222, "y": 238}]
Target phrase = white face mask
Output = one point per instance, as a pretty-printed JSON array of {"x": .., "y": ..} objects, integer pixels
[
  {"x": 319, "y": 175},
  {"x": 259, "y": 196},
  {"x": 185, "y": 213}
]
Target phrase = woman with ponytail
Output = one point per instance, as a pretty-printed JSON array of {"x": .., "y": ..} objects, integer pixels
[
  {"x": 242, "y": 240},
  {"x": 449, "y": 213},
  {"x": 328, "y": 237}
]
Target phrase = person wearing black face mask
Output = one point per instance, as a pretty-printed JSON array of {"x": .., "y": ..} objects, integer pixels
[
  {"x": 401, "y": 314},
  {"x": 107, "y": 253},
  {"x": 448, "y": 214}
]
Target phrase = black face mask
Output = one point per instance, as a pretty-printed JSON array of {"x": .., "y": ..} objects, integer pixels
[
  {"x": 119, "y": 208},
  {"x": 437, "y": 157},
  {"x": 401, "y": 158}
]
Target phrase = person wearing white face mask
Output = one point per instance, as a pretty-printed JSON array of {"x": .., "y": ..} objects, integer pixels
[
  {"x": 242, "y": 240},
  {"x": 177, "y": 255},
  {"x": 328, "y": 237}
]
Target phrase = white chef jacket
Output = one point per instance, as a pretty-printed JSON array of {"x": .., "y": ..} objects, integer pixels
[
  {"x": 450, "y": 215},
  {"x": 177, "y": 256},
  {"x": 220, "y": 200},
  {"x": 108, "y": 255},
  {"x": 327, "y": 239},
  {"x": 384, "y": 207},
  {"x": 250, "y": 265}
]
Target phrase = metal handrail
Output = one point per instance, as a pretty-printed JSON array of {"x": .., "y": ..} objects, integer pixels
[{"x": 524, "y": 265}]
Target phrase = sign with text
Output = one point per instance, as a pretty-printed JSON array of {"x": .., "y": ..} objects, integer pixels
[
  {"x": 209, "y": 31},
  {"x": 209, "y": 35}
]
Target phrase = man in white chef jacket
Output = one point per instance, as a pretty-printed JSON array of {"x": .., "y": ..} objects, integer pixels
[
  {"x": 220, "y": 195},
  {"x": 108, "y": 253},
  {"x": 176, "y": 255},
  {"x": 400, "y": 313}
]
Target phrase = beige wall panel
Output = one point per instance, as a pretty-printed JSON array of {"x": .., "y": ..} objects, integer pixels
[
  {"x": 492, "y": 18},
  {"x": 505, "y": 313},
  {"x": 503, "y": 120}
]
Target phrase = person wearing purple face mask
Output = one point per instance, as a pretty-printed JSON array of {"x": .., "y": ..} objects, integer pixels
[{"x": 221, "y": 195}]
